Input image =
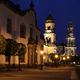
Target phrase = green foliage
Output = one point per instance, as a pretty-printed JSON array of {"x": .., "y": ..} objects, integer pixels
[
  {"x": 21, "y": 48},
  {"x": 12, "y": 46},
  {"x": 2, "y": 44}
]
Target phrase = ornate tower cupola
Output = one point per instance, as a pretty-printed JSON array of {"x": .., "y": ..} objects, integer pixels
[
  {"x": 50, "y": 37},
  {"x": 49, "y": 31},
  {"x": 70, "y": 30},
  {"x": 49, "y": 24},
  {"x": 70, "y": 36},
  {"x": 70, "y": 45}
]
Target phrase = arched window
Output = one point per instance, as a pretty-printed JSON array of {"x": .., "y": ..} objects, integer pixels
[
  {"x": 48, "y": 28},
  {"x": 22, "y": 31},
  {"x": 48, "y": 40},
  {"x": 9, "y": 26},
  {"x": 31, "y": 31}
]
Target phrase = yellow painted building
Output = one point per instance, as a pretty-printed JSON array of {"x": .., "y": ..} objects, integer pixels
[{"x": 22, "y": 27}]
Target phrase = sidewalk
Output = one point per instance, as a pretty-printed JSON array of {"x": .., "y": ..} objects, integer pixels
[
  {"x": 44, "y": 68},
  {"x": 28, "y": 72},
  {"x": 74, "y": 75}
]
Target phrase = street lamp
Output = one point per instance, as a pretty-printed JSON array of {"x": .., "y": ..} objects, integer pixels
[
  {"x": 44, "y": 57},
  {"x": 41, "y": 52},
  {"x": 64, "y": 58},
  {"x": 68, "y": 57},
  {"x": 56, "y": 56},
  {"x": 20, "y": 46},
  {"x": 41, "y": 59}
]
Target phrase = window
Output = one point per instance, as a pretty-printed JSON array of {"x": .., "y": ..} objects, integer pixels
[
  {"x": 22, "y": 31},
  {"x": 48, "y": 40},
  {"x": 31, "y": 32},
  {"x": 9, "y": 26},
  {"x": 48, "y": 27}
]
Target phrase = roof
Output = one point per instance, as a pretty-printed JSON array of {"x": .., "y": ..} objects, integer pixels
[
  {"x": 49, "y": 19},
  {"x": 15, "y": 8}
]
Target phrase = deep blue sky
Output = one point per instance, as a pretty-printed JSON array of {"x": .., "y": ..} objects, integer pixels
[{"x": 63, "y": 11}]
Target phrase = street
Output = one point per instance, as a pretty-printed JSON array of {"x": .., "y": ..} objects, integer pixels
[{"x": 59, "y": 73}]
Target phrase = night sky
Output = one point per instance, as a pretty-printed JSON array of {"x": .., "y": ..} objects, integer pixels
[{"x": 62, "y": 11}]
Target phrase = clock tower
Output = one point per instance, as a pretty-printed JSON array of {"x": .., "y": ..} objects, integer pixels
[{"x": 50, "y": 37}]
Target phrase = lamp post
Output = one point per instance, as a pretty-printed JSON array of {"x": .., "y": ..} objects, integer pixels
[
  {"x": 56, "y": 56},
  {"x": 19, "y": 55},
  {"x": 64, "y": 60},
  {"x": 68, "y": 59},
  {"x": 41, "y": 59},
  {"x": 44, "y": 57}
]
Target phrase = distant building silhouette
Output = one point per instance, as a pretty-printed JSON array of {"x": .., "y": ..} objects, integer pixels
[{"x": 70, "y": 48}]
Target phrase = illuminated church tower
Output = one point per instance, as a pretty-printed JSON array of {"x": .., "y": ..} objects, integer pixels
[
  {"x": 50, "y": 37},
  {"x": 70, "y": 45}
]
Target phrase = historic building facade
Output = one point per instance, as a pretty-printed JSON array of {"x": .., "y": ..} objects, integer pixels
[
  {"x": 22, "y": 27},
  {"x": 70, "y": 48},
  {"x": 50, "y": 37}
]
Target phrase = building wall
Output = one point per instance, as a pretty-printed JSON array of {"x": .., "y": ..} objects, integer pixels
[{"x": 28, "y": 20}]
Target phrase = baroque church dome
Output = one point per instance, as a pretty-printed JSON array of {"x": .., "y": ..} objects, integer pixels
[{"x": 49, "y": 19}]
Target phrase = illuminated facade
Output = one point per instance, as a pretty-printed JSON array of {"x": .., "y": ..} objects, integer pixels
[
  {"x": 70, "y": 48},
  {"x": 50, "y": 37},
  {"x": 61, "y": 48},
  {"x": 22, "y": 27}
]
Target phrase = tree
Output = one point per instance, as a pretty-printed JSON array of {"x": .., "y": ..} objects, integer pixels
[
  {"x": 11, "y": 49},
  {"x": 2, "y": 45}
]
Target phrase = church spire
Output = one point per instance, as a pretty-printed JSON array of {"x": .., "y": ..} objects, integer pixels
[{"x": 70, "y": 30}]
